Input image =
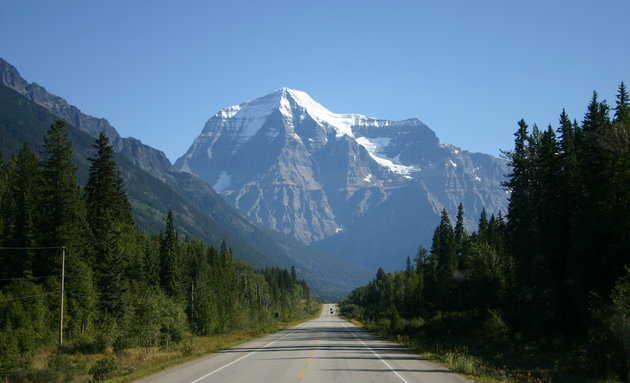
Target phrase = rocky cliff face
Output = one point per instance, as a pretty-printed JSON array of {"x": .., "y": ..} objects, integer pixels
[
  {"x": 366, "y": 189},
  {"x": 10, "y": 77}
]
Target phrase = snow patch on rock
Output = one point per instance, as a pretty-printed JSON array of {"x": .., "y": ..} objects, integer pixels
[
  {"x": 375, "y": 146},
  {"x": 223, "y": 182}
]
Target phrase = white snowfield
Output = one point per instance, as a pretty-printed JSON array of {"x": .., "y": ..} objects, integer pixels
[{"x": 244, "y": 121}]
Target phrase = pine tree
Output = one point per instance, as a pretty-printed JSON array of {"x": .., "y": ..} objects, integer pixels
[
  {"x": 570, "y": 167},
  {"x": 151, "y": 262},
  {"x": 107, "y": 210},
  {"x": 461, "y": 236},
  {"x": 622, "y": 110},
  {"x": 518, "y": 186},
  {"x": 104, "y": 191},
  {"x": 616, "y": 143},
  {"x": 408, "y": 266},
  {"x": 444, "y": 253},
  {"x": 169, "y": 262},
  {"x": 7, "y": 218},
  {"x": 110, "y": 265},
  {"x": 62, "y": 219},
  {"x": 62, "y": 222},
  {"x": 482, "y": 227},
  {"x": 593, "y": 233},
  {"x": 24, "y": 187}
]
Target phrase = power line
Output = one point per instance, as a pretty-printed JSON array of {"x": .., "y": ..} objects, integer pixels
[
  {"x": 24, "y": 297},
  {"x": 32, "y": 248},
  {"x": 29, "y": 278},
  {"x": 75, "y": 294},
  {"x": 63, "y": 270}
]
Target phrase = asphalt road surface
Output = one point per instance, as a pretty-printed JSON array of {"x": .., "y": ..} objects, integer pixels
[{"x": 326, "y": 349}]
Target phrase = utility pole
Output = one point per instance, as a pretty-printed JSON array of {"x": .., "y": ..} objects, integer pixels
[
  {"x": 192, "y": 300},
  {"x": 63, "y": 267}
]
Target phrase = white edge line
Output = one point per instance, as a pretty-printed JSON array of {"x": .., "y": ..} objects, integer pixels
[
  {"x": 373, "y": 352},
  {"x": 245, "y": 356}
]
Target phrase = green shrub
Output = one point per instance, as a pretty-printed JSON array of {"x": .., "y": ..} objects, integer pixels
[
  {"x": 454, "y": 325},
  {"x": 494, "y": 329},
  {"x": 350, "y": 310},
  {"x": 154, "y": 319},
  {"x": 461, "y": 362},
  {"x": 84, "y": 345},
  {"x": 103, "y": 369}
]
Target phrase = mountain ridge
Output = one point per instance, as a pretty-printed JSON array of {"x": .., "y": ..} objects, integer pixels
[
  {"x": 328, "y": 275},
  {"x": 294, "y": 166}
]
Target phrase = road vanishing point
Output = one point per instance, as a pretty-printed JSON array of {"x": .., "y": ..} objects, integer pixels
[{"x": 326, "y": 349}]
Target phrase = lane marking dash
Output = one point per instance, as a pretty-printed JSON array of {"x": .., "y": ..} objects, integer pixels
[
  {"x": 245, "y": 356},
  {"x": 373, "y": 352}
]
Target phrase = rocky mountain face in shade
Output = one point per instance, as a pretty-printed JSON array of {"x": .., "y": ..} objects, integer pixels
[
  {"x": 366, "y": 189},
  {"x": 155, "y": 186}
]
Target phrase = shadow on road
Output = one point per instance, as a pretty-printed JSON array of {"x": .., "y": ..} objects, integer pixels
[{"x": 338, "y": 339}]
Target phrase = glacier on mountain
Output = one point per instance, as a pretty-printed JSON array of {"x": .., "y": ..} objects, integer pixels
[{"x": 294, "y": 166}]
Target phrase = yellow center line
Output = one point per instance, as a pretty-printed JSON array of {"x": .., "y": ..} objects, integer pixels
[{"x": 308, "y": 360}]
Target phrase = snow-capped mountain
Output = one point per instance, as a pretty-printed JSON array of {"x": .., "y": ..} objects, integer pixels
[{"x": 366, "y": 189}]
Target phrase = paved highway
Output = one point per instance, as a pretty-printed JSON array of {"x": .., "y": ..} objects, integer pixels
[{"x": 326, "y": 349}]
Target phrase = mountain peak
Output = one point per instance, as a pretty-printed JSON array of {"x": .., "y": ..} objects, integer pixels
[
  {"x": 286, "y": 97},
  {"x": 248, "y": 118},
  {"x": 350, "y": 183}
]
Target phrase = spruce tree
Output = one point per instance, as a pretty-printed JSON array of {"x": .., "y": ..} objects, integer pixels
[
  {"x": 408, "y": 266},
  {"x": 444, "y": 252},
  {"x": 151, "y": 262},
  {"x": 104, "y": 191},
  {"x": 7, "y": 219},
  {"x": 518, "y": 186},
  {"x": 62, "y": 219},
  {"x": 62, "y": 222},
  {"x": 593, "y": 233},
  {"x": 622, "y": 109},
  {"x": 461, "y": 236},
  {"x": 24, "y": 188},
  {"x": 169, "y": 262},
  {"x": 107, "y": 210}
]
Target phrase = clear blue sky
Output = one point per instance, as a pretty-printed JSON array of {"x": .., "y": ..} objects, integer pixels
[{"x": 157, "y": 70}]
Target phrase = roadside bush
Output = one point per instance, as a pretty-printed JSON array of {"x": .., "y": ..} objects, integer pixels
[
  {"x": 153, "y": 319},
  {"x": 103, "y": 369},
  {"x": 351, "y": 310},
  {"x": 455, "y": 325},
  {"x": 60, "y": 369},
  {"x": 84, "y": 345},
  {"x": 461, "y": 362},
  {"x": 494, "y": 330}
]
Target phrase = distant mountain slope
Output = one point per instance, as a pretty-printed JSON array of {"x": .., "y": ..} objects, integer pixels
[
  {"x": 156, "y": 187},
  {"x": 366, "y": 189}
]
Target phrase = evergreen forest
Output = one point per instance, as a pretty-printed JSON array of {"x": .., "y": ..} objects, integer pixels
[
  {"x": 122, "y": 288},
  {"x": 543, "y": 288}
]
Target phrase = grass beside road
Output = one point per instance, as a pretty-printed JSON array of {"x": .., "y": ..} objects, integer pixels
[
  {"x": 506, "y": 365},
  {"x": 460, "y": 361},
  {"x": 51, "y": 365},
  {"x": 142, "y": 362}
]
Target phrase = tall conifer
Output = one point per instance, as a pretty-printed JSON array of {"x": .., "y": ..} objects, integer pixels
[
  {"x": 107, "y": 209},
  {"x": 62, "y": 222},
  {"x": 169, "y": 262}
]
